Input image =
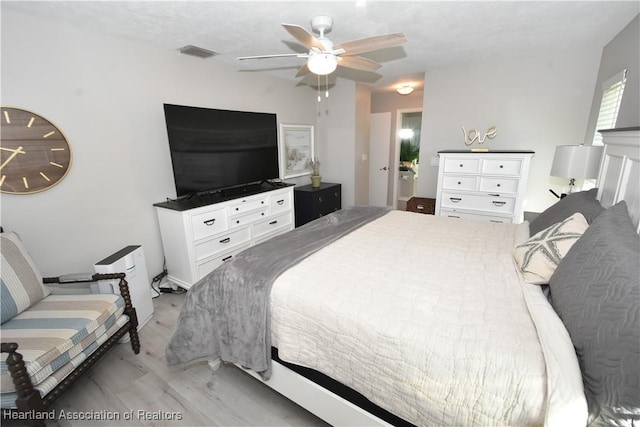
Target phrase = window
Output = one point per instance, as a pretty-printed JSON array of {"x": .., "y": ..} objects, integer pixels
[{"x": 610, "y": 105}]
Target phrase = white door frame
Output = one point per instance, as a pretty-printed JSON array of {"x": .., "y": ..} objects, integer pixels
[{"x": 396, "y": 159}]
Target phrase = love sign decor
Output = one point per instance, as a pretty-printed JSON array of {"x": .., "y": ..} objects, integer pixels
[{"x": 473, "y": 135}]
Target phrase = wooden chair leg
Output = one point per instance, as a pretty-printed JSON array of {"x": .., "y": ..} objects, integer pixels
[
  {"x": 133, "y": 316},
  {"x": 29, "y": 399}
]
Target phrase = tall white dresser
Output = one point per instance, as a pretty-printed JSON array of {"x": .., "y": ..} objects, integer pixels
[{"x": 484, "y": 186}]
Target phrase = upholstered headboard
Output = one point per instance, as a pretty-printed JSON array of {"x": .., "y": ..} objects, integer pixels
[{"x": 619, "y": 177}]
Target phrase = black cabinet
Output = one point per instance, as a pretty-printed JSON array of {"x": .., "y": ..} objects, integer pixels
[{"x": 311, "y": 203}]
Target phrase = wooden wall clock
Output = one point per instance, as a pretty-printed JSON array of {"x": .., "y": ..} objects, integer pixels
[{"x": 34, "y": 153}]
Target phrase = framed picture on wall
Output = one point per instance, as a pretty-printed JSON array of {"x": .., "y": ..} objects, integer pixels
[{"x": 296, "y": 150}]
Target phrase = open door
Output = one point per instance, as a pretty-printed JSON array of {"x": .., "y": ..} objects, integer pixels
[{"x": 379, "y": 168}]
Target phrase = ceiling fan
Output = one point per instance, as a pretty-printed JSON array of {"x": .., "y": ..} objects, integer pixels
[{"x": 324, "y": 57}]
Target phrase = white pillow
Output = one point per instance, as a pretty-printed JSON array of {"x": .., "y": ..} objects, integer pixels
[{"x": 538, "y": 257}]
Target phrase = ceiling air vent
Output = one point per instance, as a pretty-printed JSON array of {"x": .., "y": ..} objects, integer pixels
[{"x": 197, "y": 51}]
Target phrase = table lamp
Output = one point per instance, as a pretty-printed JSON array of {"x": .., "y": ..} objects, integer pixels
[{"x": 576, "y": 162}]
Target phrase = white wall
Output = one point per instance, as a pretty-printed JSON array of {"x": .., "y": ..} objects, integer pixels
[
  {"x": 337, "y": 136},
  {"x": 361, "y": 154},
  {"x": 536, "y": 104},
  {"x": 106, "y": 95}
]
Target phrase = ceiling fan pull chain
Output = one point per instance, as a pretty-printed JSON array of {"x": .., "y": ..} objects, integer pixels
[
  {"x": 326, "y": 85},
  {"x": 319, "y": 98}
]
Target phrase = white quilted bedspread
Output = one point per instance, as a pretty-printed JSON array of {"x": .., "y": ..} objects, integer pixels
[{"x": 428, "y": 318}]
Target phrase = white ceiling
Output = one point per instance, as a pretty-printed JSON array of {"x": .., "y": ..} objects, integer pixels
[{"x": 439, "y": 33}]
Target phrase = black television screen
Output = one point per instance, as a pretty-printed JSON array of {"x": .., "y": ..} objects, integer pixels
[{"x": 213, "y": 149}]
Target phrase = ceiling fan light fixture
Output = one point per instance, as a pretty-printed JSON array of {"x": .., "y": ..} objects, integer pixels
[
  {"x": 405, "y": 89},
  {"x": 322, "y": 63}
]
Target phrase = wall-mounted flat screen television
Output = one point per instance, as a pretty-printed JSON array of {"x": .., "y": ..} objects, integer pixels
[{"x": 213, "y": 149}]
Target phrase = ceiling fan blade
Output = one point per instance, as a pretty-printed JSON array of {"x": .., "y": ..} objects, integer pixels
[
  {"x": 368, "y": 44},
  {"x": 307, "y": 39},
  {"x": 358, "y": 63},
  {"x": 303, "y": 71},
  {"x": 281, "y": 55}
]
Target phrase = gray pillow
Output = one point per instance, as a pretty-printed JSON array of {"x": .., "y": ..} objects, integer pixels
[
  {"x": 596, "y": 292},
  {"x": 584, "y": 202}
]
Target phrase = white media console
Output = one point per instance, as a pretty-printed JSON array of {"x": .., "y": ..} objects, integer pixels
[{"x": 196, "y": 240}]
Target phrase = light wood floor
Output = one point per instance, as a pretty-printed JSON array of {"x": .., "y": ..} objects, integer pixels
[{"x": 123, "y": 382}]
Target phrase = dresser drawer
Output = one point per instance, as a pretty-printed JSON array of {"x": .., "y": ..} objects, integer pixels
[
  {"x": 461, "y": 165},
  {"x": 502, "y": 167},
  {"x": 476, "y": 217},
  {"x": 208, "y": 223},
  {"x": 327, "y": 201},
  {"x": 280, "y": 202},
  {"x": 489, "y": 204},
  {"x": 459, "y": 182},
  {"x": 271, "y": 224},
  {"x": 222, "y": 243},
  {"x": 207, "y": 266},
  {"x": 240, "y": 220},
  {"x": 247, "y": 205},
  {"x": 499, "y": 185},
  {"x": 312, "y": 203}
]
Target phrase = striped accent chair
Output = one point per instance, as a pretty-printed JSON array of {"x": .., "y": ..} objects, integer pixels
[{"x": 49, "y": 340}]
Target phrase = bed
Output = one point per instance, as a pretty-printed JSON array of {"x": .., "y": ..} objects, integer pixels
[{"x": 475, "y": 327}]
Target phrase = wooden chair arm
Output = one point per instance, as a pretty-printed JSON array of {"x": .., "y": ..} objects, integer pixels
[{"x": 83, "y": 278}]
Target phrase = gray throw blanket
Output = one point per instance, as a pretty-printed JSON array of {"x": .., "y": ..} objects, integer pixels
[{"x": 226, "y": 314}]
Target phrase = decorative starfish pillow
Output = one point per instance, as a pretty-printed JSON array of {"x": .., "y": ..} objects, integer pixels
[{"x": 538, "y": 257}]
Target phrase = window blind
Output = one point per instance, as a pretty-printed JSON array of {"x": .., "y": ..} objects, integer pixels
[{"x": 612, "y": 92}]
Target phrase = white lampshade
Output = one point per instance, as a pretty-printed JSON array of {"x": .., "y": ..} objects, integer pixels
[
  {"x": 322, "y": 63},
  {"x": 577, "y": 161}
]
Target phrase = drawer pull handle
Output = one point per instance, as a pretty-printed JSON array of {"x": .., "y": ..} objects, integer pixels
[
  {"x": 420, "y": 207},
  {"x": 227, "y": 240},
  {"x": 493, "y": 220},
  {"x": 273, "y": 222},
  {"x": 237, "y": 209},
  {"x": 453, "y": 216},
  {"x": 497, "y": 185},
  {"x": 227, "y": 258},
  {"x": 209, "y": 222},
  {"x": 461, "y": 165},
  {"x": 459, "y": 183},
  {"x": 501, "y": 166},
  {"x": 497, "y": 203},
  {"x": 262, "y": 214},
  {"x": 237, "y": 221},
  {"x": 280, "y": 201},
  {"x": 455, "y": 199},
  {"x": 495, "y": 195}
]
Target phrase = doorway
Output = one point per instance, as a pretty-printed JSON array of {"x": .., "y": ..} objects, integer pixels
[{"x": 407, "y": 159}]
